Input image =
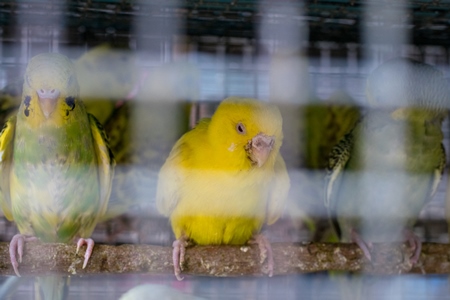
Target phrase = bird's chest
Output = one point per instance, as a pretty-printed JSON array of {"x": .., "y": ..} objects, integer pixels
[
  {"x": 53, "y": 181},
  {"x": 401, "y": 146},
  {"x": 47, "y": 156},
  {"x": 224, "y": 193},
  {"x": 389, "y": 176},
  {"x": 221, "y": 207}
]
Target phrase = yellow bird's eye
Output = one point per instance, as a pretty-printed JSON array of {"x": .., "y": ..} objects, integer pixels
[{"x": 240, "y": 128}]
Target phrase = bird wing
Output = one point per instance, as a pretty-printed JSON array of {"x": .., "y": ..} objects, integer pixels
[
  {"x": 171, "y": 176},
  {"x": 170, "y": 179},
  {"x": 338, "y": 159},
  {"x": 6, "y": 153},
  {"x": 105, "y": 161},
  {"x": 279, "y": 191}
]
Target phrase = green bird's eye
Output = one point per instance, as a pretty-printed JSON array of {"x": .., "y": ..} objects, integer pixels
[{"x": 240, "y": 128}]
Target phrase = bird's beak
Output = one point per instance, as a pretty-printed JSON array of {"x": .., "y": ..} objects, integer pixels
[
  {"x": 259, "y": 148},
  {"x": 47, "y": 100}
]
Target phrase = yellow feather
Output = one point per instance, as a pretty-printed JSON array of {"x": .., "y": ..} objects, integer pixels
[
  {"x": 106, "y": 163},
  {"x": 6, "y": 151}
]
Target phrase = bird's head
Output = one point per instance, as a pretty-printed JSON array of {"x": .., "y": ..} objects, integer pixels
[
  {"x": 50, "y": 89},
  {"x": 405, "y": 83},
  {"x": 247, "y": 129}
]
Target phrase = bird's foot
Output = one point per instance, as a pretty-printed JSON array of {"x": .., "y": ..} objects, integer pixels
[
  {"x": 414, "y": 243},
  {"x": 16, "y": 247},
  {"x": 90, "y": 247},
  {"x": 265, "y": 250},
  {"x": 179, "y": 249},
  {"x": 365, "y": 247}
]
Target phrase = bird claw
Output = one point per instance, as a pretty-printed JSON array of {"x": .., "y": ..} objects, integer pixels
[
  {"x": 412, "y": 239},
  {"x": 265, "y": 250},
  {"x": 90, "y": 247},
  {"x": 365, "y": 247},
  {"x": 179, "y": 250},
  {"x": 415, "y": 244},
  {"x": 16, "y": 246}
]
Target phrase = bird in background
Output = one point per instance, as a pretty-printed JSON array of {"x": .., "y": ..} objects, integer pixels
[
  {"x": 225, "y": 179},
  {"x": 107, "y": 76},
  {"x": 163, "y": 104},
  {"x": 384, "y": 171},
  {"x": 321, "y": 125},
  {"x": 313, "y": 126},
  {"x": 56, "y": 167}
]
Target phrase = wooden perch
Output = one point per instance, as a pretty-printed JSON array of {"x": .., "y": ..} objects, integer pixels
[{"x": 40, "y": 258}]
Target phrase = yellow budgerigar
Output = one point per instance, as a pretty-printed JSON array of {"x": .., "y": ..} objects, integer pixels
[
  {"x": 225, "y": 178},
  {"x": 56, "y": 166}
]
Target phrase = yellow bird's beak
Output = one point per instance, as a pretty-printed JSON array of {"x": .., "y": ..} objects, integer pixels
[
  {"x": 259, "y": 148},
  {"x": 47, "y": 100}
]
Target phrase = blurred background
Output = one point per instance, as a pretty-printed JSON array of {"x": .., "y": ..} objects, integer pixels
[{"x": 149, "y": 70}]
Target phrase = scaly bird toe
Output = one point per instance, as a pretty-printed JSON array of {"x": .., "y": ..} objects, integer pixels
[
  {"x": 365, "y": 247},
  {"x": 16, "y": 246},
  {"x": 179, "y": 250},
  {"x": 90, "y": 246},
  {"x": 415, "y": 244},
  {"x": 265, "y": 250}
]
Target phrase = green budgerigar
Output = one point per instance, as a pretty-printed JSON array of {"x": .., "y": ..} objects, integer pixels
[
  {"x": 384, "y": 171},
  {"x": 56, "y": 166}
]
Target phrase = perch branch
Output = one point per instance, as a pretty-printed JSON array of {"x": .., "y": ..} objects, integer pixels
[{"x": 40, "y": 258}]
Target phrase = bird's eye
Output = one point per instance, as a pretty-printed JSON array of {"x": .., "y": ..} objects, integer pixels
[{"x": 240, "y": 128}]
